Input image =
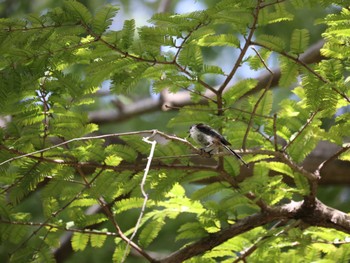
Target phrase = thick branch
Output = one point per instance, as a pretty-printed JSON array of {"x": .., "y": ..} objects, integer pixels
[
  {"x": 318, "y": 215},
  {"x": 218, "y": 238}
]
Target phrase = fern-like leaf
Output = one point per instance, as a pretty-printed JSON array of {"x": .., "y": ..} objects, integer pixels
[
  {"x": 79, "y": 241},
  {"x": 280, "y": 167},
  {"x": 219, "y": 40},
  {"x": 78, "y": 11},
  {"x": 125, "y": 152},
  {"x": 299, "y": 40},
  {"x": 277, "y": 14},
  {"x": 151, "y": 231},
  {"x": 271, "y": 42},
  {"x": 97, "y": 240},
  {"x": 190, "y": 231},
  {"x": 208, "y": 190},
  {"x": 289, "y": 72},
  {"x": 265, "y": 105},
  {"x": 302, "y": 184},
  {"x": 127, "y": 36},
  {"x": 191, "y": 55},
  {"x": 103, "y": 18},
  {"x": 255, "y": 62},
  {"x": 239, "y": 89}
]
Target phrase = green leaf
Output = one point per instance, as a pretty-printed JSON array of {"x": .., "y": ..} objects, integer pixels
[
  {"x": 265, "y": 105},
  {"x": 44, "y": 255},
  {"x": 208, "y": 190},
  {"x": 235, "y": 13},
  {"x": 191, "y": 114},
  {"x": 128, "y": 77},
  {"x": 127, "y": 204},
  {"x": 271, "y": 42},
  {"x": 190, "y": 231},
  {"x": 289, "y": 72},
  {"x": 239, "y": 89},
  {"x": 97, "y": 240},
  {"x": 198, "y": 176},
  {"x": 191, "y": 55},
  {"x": 302, "y": 184},
  {"x": 276, "y": 14},
  {"x": 255, "y": 62},
  {"x": 123, "y": 151},
  {"x": 78, "y": 10},
  {"x": 180, "y": 22},
  {"x": 127, "y": 36},
  {"x": 307, "y": 141},
  {"x": 211, "y": 69},
  {"x": 113, "y": 160},
  {"x": 332, "y": 69},
  {"x": 85, "y": 202},
  {"x": 22, "y": 254},
  {"x": 232, "y": 165},
  {"x": 103, "y": 18},
  {"x": 120, "y": 250},
  {"x": 299, "y": 40},
  {"x": 281, "y": 168},
  {"x": 151, "y": 231},
  {"x": 79, "y": 241},
  {"x": 219, "y": 40},
  {"x": 319, "y": 95}
]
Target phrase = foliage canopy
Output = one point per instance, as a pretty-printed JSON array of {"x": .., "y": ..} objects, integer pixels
[{"x": 51, "y": 66}]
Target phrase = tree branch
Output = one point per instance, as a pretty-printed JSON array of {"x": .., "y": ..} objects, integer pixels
[{"x": 319, "y": 215}]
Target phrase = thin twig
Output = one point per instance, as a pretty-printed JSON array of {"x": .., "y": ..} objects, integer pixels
[
  {"x": 243, "y": 50},
  {"x": 138, "y": 166},
  {"x": 273, "y": 3},
  {"x": 275, "y": 131},
  {"x": 333, "y": 157},
  {"x": 61, "y": 228},
  {"x": 144, "y": 194},
  {"x": 308, "y": 122},
  {"x": 199, "y": 94},
  {"x": 250, "y": 122},
  {"x": 247, "y": 252},
  {"x": 162, "y": 134}
]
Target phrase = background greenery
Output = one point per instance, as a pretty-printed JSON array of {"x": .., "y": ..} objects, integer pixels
[{"x": 73, "y": 69}]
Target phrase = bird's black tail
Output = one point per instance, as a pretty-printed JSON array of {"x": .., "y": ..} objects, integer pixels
[{"x": 235, "y": 154}]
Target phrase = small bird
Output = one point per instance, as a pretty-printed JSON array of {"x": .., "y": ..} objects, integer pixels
[{"x": 211, "y": 140}]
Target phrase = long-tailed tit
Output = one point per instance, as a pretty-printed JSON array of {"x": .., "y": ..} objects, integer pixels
[{"x": 211, "y": 140}]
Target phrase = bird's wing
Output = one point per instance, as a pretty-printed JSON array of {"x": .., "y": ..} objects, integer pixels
[{"x": 211, "y": 132}]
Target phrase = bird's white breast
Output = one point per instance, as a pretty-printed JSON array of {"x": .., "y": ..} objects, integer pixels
[{"x": 200, "y": 137}]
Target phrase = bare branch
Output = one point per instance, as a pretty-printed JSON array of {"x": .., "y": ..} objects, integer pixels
[{"x": 145, "y": 195}]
